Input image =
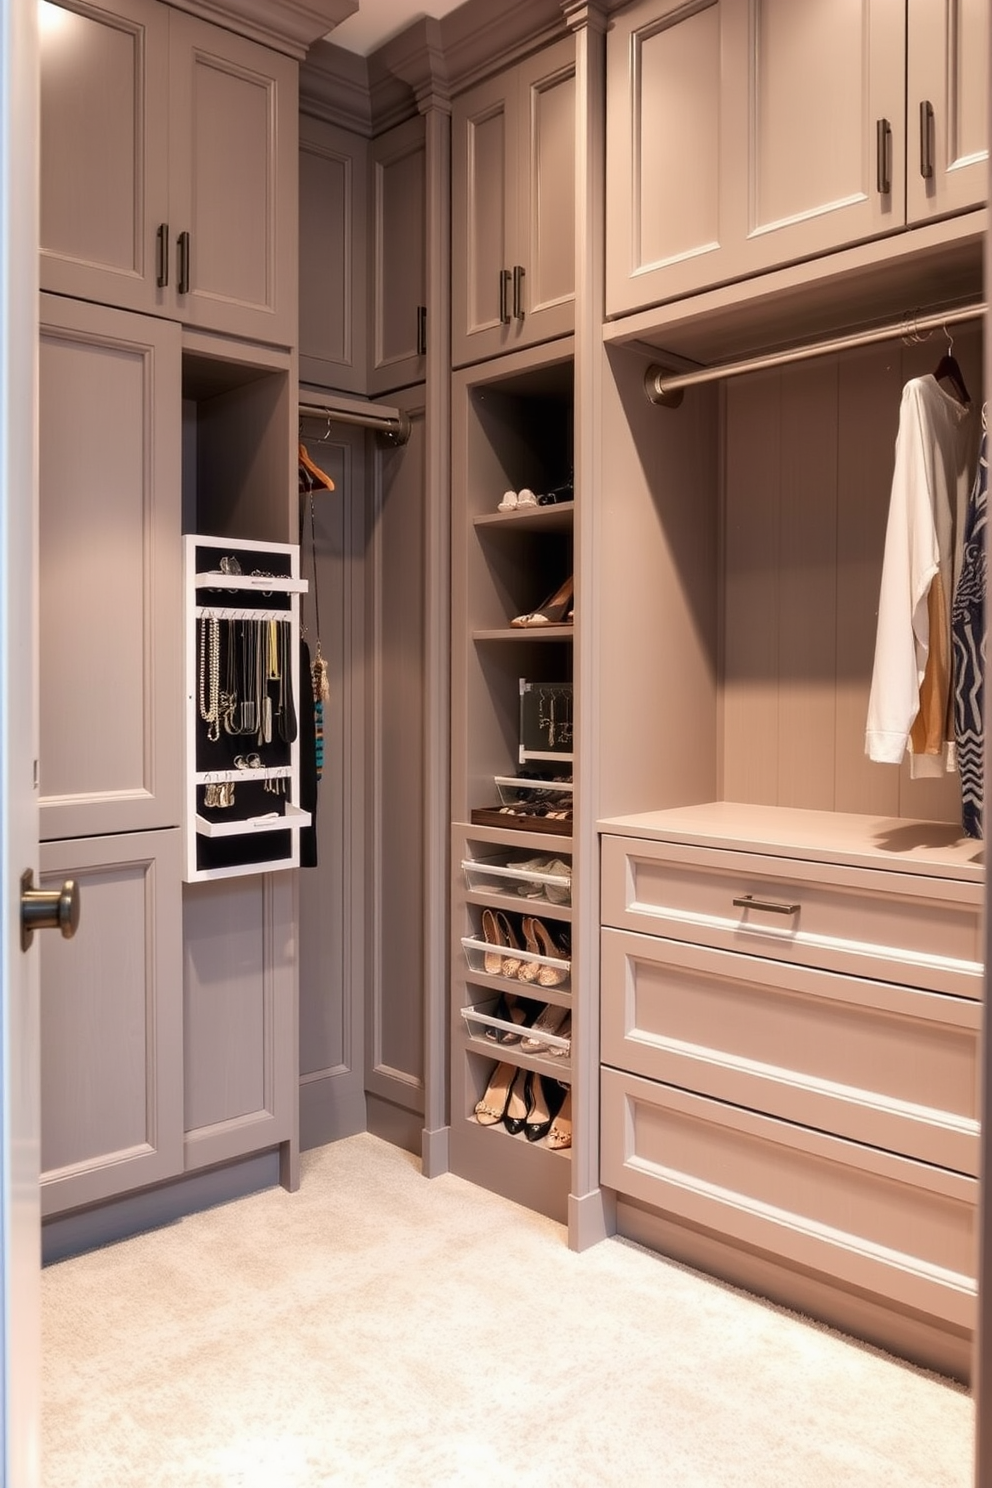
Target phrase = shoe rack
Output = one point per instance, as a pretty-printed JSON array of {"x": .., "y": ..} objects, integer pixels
[{"x": 513, "y": 624}]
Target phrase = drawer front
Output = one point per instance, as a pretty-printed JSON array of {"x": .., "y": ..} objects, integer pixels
[
  {"x": 900, "y": 927},
  {"x": 891, "y": 1066},
  {"x": 900, "y": 1229}
]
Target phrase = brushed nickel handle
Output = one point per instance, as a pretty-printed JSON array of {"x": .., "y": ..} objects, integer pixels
[
  {"x": 883, "y": 154},
  {"x": 184, "y": 262},
  {"x": 162, "y": 256},
  {"x": 518, "y": 291},
  {"x": 771, "y": 906},
  {"x": 421, "y": 330},
  {"x": 926, "y": 140},
  {"x": 48, "y": 909},
  {"x": 504, "y": 281}
]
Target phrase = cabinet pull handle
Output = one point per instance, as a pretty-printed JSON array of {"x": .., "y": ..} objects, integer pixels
[
  {"x": 883, "y": 151},
  {"x": 504, "y": 281},
  {"x": 421, "y": 330},
  {"x": 926, "y": 140},
  {"x": 182, "y": 243},
  {"x": 162, "y": 256},
  {"x": 771, "y": 906},
  {"x": 518, "y": 296}
]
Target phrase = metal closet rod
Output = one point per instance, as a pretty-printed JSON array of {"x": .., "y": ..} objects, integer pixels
[
  {"x": 394, "y": 429},
  {"x": 665, "y": 387}
]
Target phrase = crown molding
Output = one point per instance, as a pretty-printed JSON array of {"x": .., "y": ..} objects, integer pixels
[
  {"x": 334, "y": 86},
  {"x": 289, "y": 26},
  {"x": 408, "y": 73},
  {"x": 484, "y": 36}
]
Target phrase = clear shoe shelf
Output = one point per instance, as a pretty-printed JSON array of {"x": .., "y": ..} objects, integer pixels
[
  {"x": 504, "y": 875},
  {"x": 482, "y": 1017},
  {"x": 488, "y": 960}
]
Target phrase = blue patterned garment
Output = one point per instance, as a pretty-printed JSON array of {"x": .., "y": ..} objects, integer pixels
[{"x": 968, "y": 641}]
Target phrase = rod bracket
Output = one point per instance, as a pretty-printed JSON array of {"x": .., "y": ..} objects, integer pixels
[
  {"x": 655, "y": 390},
  {"x": 400, "y": 435}
]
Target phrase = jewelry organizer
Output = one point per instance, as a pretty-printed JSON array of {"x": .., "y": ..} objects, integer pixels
[{"x": 242, "y": 607}]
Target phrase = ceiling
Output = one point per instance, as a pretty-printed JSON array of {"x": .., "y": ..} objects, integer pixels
[{"x": 378, "y": 20}]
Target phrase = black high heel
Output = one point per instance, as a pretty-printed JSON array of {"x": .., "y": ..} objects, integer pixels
[
  {"x": 519, "y": 1103},
  {"x": 549, "y": 1097}
]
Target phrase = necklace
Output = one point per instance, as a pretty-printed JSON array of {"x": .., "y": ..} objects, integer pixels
[{"x": 209, "y": 677}]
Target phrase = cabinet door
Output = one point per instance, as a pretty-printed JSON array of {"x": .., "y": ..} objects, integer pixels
[
  {"x": 399, "y": 290},
  {"x": 333, "y": 233},
  {"x": 820, "y": 114},
  {"x": 233, "y": 194},
  {"x": 104, "y": 149},
  {"x": 110, "y": 572},
  {"x": 111, "y": 1021},
  {"x": 545, "y": 248},
  {"x": 947, "y": 106},
  {"x": 668, "y": 222},
  {"x": 483, "y": 218}
]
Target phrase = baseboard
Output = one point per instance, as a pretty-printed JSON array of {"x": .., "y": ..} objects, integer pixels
[
  {"x": 911, "y": 1336},
  {"x": 330, "y": 1109},
  {"x": 435, "y": 1159},
  {"x": 591, "y": 1218},
  {"x": 395, "y": 1124},
  {"x": 87, "y": 1229}
]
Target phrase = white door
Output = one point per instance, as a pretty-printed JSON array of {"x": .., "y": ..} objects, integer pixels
[{"x": 20, "y": 1331}]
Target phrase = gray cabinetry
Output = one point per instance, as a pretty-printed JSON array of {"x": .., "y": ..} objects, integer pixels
[
  {"x": 743, "y": 134},
  {"x": 333, "y": 335},
  {"x": 399, "y": 269},
  {"x": 168, "y": 170},
  {"x": 110, "y": 574},
  {"x": 513, "y": 207},
  {"x": 111, "y": 1021}
]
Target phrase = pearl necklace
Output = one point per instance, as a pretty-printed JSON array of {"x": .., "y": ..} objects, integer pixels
[{"x": 209, "y": 677}]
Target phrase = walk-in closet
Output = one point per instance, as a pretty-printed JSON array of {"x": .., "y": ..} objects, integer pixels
[{"x": 470, "y": 466}]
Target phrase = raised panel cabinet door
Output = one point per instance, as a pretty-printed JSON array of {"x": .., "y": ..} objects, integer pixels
[
  {"x": 111, "y": 1021},
  {"x": 233, "y": 182},
  {"x": 483, "y": 218},
  {"x": 110, "y": 571},
  {"x": 399, "y": 287},
  {"x": 333, "y": 337},
  {"x": 104, "y": 150},
  {"x": 671, "y": 150},
  {"x": 543, "y": 295},
  {"x": 822, "y": 107},
  {"x": 947, "y": 107}
]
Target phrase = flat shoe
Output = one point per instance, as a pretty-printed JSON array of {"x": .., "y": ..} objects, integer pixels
[
  {"x": 526, "y": 497},
  {"x": 509, "y": 502}
]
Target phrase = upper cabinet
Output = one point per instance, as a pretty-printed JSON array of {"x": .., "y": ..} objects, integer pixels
[
  {"x": 399, "y": 258},
  {"x": 333, "y": 338},
  {"x": 947, "y": 104},
  {"x": 744, "y": 134},
  {"x": 168, "y": 181},
  {"x": 513, "y": 207}
]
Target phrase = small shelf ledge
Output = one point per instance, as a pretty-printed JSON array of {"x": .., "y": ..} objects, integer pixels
[
  {"x": 555, "y": 518},
  {"x": 261, "y": 583},
  {"x": 526, "y": 633}
]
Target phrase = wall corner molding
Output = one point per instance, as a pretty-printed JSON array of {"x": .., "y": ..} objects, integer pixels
[
  {"x": 334, "y": 86},
  {"x": 289, "y": 26}
]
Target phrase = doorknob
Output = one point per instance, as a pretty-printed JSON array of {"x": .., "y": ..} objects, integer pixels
[{"x": 48, "y": 909}]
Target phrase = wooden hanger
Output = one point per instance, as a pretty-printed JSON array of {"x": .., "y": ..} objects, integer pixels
[
  {"x": 948, "y": 368},
  {"x": 311, "y": 475}
]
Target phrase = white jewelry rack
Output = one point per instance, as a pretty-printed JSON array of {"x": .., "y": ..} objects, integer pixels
[{"x": 248, "y": 835}]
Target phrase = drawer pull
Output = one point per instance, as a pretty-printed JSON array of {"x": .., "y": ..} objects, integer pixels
[{"x": 772, "y": 906}]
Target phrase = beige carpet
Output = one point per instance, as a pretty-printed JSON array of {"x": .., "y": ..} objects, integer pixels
[{"x": 379, "y": 1329}]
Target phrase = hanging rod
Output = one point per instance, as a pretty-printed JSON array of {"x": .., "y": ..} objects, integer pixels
[
  {"x": 393, "y": 429},
  {"x": 665, "y": 387}
]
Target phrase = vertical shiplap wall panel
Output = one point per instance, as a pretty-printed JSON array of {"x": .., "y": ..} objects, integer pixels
[
  {"x": 753, "y": 584},
  {"x": 807, "y": 650}
]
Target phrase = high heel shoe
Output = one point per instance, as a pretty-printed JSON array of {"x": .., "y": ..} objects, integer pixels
[
  {"x": 548, "y": 1098},
  {"x": 538, "y": 942},
  {"x": 552, "y": 1021},
  {"x": 497, "y": 932},
  {"x": 519, "y": 1103},
  {"x": 492, "y": 1107},
  {"x": 520, "y": 1013},
  {"x": 552, "y": 611},
  {"x": 560, "y": 1132}
]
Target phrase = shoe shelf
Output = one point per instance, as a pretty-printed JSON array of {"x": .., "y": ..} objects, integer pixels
[
  {"x": 489, "y": 986},
  {"x": 549, "y": 882},
  {"x": 485, "y": 1028},
  {"x": 556, "y": 518},
  {"x": 525, "y": 633},
  {"x": 479, "y": 952}
]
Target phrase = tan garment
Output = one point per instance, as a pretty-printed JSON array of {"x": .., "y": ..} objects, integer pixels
[{"x": 932, "y": 725}]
